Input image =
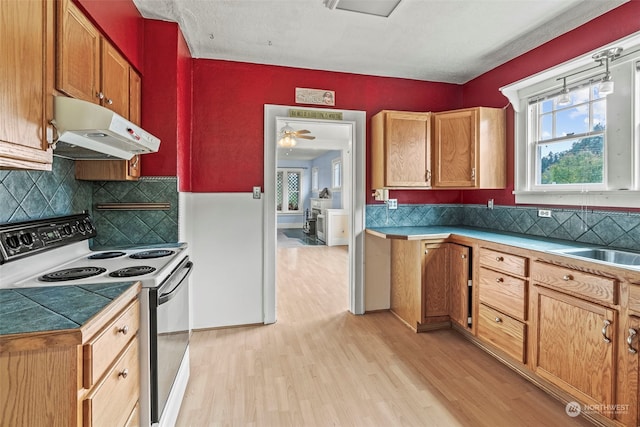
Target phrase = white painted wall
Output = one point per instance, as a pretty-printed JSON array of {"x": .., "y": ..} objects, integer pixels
[{"x": 224, "y": 231}]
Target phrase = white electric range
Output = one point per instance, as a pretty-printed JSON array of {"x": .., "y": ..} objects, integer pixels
[{"x": 56, "y": 252}]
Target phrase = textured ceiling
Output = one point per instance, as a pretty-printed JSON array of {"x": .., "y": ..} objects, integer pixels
[{"x": 450, "y": 41}]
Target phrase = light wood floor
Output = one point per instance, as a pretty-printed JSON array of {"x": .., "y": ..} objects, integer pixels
[{"x": 321, "y": 366}]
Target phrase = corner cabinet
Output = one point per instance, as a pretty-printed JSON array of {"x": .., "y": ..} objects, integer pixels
[
  {"x": 400, "y": 150},
  {"x": 26, "y": 84},
  {"x": 469, "y": 148},
  {"x": 429, "y": 283}
]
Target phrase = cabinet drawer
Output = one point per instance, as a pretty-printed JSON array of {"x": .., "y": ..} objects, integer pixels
[
  {"x": 112, "y": 401},
  {"x": 506, "y": 293},
  {"x": 102, "y": 350},
  {"x": 602, "y": 289},
  {"x": 502, "y": 331},
  {"x": 508, "y": 263},
  {"x": 634, "y": 298},
  {"x": 134, "y": 418}
]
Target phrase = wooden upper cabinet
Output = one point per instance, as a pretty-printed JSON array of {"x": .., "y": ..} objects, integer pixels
[
  {"x": 115, "y": 80},
  {"x": 469, "y": 148},
  {"x": 78, "y": 54},
  {"x": 26, "y": 84},
  {"x": 135, "y": 97},
  {"x": 88, "y": 67},
  {"x": 401, "y": 150}
]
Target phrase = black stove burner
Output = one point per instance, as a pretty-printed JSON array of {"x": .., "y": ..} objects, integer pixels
[
  {"x": 137, "y": 270},
  {"x": 155, "y": 253},
  {"x": 106, "y": 255},
  {"x": 72, "y": 274}
]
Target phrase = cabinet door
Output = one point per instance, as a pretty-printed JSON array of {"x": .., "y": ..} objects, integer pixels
[
  {"x": 454, "y": 148},
  {"x": 402, "y": 150},
  {"x": 78, "y": 54},
  {"x": 458, "y": 285},
  {"x": 629, "y": 370},
  {"x": 115, "y": 80},
  {"x": 574, "y": 342},
  {"x": 435, "y": 290},
  {"x": 26, "y": 83},
  {"x": 135, "y": 97}
]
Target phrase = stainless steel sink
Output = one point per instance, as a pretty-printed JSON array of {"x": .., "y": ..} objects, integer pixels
[{"x": 611, "y": 256}]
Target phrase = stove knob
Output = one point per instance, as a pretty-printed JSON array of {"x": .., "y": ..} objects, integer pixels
[
  {"x": 81, "y": 227},
  {"x": 66, "y": 230},
  {"x": 13, "y": 242},
  {"x": 26, "y": 239}
]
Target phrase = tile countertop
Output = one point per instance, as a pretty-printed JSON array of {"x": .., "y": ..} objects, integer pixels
[
  {"x": 55, "y": 308},
  {"x": 541, "y": 244}
]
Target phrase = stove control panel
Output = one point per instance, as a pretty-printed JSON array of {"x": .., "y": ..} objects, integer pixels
[{"x": 27, "y": 238}]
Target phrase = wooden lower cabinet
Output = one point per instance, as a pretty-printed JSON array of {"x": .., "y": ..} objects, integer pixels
[
  {"x": 628, "y": 401},
  {"x": 429, "y": 283},
  {"x": 88, "y": 377},
  {"x": 502, "y": 331},
  {"x": 108, "y": 170},
  {"x": 574, "y": 346}
]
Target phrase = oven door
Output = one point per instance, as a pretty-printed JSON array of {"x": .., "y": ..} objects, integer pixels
[{"x": 168, "y": 334}]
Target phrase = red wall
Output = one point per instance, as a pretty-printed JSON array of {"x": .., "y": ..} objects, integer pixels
[
  {"x": 121, "y": 22},
  {"x": 483, "y": 90},
  {"x": 228, "y": 117}
]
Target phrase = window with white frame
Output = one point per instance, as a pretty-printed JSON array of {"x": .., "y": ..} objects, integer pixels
[
  {"x": 567, "y": 139},
  {"x": 289, "y": 197},
  {"x": 336, "y": 174},
  {"x": 584, "y": 150}
]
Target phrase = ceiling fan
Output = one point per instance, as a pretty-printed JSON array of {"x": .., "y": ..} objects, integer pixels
[{"x": 288, "y": 136}]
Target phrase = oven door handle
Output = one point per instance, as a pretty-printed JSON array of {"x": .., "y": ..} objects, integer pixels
[{"x": 162, "y": 298}]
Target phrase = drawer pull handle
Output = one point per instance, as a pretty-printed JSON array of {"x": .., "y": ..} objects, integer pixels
[
  {"x": 499, "y": 258},
  {"x": 124, "y": 373},
  {"x": 567, "y": 277},
  {"x": 499, "y": 280},
  {"x": 498, "y": 320},
  {"x": 632, "y": 333},
  {"x": 124, "y": 330},
  {"x": 604, "y": 331}
]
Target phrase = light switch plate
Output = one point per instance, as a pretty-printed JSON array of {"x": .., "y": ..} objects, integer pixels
[{"x": 256, "y": 192}]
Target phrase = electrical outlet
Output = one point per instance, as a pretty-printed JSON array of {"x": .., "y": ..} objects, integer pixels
[
  {"x": 392, "y": 203},
  {"x": 256, "y": 192},
  {"x": 490, "y": 203},
  {"x": 544, "y": 213},
  {"x": 378, "y": 194}
]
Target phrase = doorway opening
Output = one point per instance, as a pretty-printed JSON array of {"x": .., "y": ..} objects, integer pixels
[{"x": 346, "y": 137}]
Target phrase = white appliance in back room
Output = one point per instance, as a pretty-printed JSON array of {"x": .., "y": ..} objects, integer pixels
[{"x": 55, "y": 252}]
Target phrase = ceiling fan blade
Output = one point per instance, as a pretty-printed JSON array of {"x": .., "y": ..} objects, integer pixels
[
  {"x": 305, "y": 136},
  {"x": 302, "y": 131}
]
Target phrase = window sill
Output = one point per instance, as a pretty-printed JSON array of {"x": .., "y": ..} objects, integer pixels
[{"x": 616, "y": 198}]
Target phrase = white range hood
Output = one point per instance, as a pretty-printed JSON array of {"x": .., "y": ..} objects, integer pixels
[{"x": 88, "y": 131}]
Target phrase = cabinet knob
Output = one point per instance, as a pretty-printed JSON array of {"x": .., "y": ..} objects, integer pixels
[
  {"x": 604, "y": 331},
  {"x": 499, "y": 280},
  {"x": 498, "y": 320},
  {"x": 463, "y": 256},
  {"x": 426, "y": 251},
  {"x": 109, "y": 101},
  {"x": 632, "y": 333},
  {"x": 99, "y": 95},
  {"x": 567, "y": 277},
  {"x": 499, "y": 258},
  {"x": 124, "y": 330},
  {"x": 124, "y": 373}
]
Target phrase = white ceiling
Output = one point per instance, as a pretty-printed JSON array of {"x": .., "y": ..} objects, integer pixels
[
  {"x": 450, "y": 41},
  {"x": 329, "y": 136}
]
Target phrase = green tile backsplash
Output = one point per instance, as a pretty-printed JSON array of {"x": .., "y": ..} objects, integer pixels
[
  {"x": 27, "y": 195},
  {"x": 616, "y": 228}
]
